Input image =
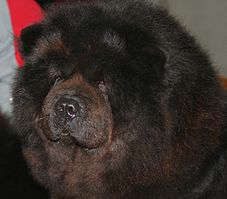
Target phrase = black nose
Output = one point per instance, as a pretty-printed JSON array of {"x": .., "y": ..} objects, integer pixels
[{"x": 66, "y": 108}]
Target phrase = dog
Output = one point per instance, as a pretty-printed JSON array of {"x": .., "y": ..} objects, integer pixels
[{"x": 117, "y": 100}]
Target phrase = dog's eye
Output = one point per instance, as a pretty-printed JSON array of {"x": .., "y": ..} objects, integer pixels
[
  {"x": 102, "y": 86},
  {"x": 57, "y": 80}
]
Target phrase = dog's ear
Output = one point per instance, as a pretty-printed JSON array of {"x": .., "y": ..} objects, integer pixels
[{"x": 28, "y": 38}]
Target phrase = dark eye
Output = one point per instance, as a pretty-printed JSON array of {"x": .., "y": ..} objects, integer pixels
[
  {"x": 102, "y": 86},
  {"x": 57, "y": 80}
]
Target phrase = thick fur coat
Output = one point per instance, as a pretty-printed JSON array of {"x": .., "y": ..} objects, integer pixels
[{"x": 116, "y": 100}]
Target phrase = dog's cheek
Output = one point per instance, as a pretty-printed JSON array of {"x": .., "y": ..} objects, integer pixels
[{"x": 36, "y": 158}]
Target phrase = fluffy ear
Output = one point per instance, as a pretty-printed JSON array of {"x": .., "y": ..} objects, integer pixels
[{"x": 28, "y": 38}]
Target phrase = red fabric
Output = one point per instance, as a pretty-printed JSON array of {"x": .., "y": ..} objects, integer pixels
[{"x": 22, "y": 13}]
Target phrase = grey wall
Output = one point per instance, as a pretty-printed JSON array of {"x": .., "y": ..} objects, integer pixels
[
  {"x": 207, "y": 20},
  {"x": 163, "y": 3}
]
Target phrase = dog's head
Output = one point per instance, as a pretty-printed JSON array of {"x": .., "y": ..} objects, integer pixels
[{"x": 103, "y": 102}]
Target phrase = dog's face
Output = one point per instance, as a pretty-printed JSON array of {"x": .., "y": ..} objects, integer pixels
[{"x": 93, "y": 107}]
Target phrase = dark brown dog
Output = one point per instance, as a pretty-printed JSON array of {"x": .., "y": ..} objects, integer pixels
[{"x": 116, "y": 100}]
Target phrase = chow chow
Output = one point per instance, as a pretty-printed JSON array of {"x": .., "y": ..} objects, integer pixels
[{"x": 117, "y": 100}]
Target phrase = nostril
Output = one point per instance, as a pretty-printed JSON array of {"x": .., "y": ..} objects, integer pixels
[
  {"x": 72, "y": 110},
  {"x": 61, "y": 107}
]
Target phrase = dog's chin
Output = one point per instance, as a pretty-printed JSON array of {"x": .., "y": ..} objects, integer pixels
[{"x": 67, "y": 139}]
